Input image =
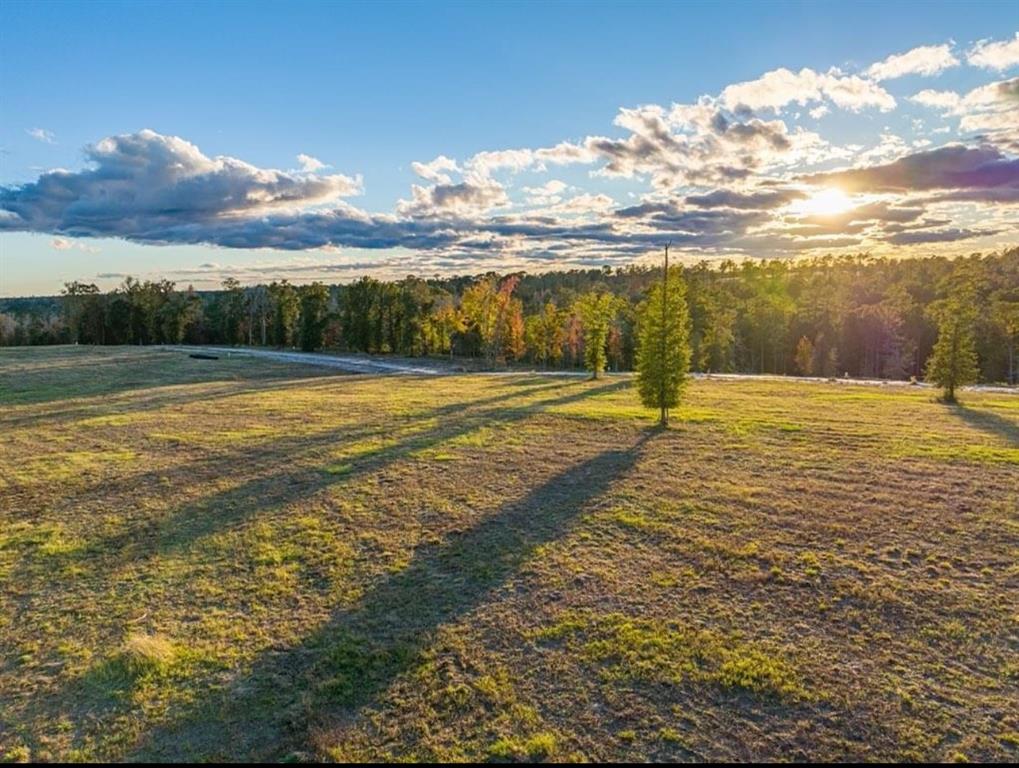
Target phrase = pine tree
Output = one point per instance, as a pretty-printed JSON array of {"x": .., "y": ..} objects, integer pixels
[
  {"x": 953, "y": 361},
  {"x": 663, "y": 346}
]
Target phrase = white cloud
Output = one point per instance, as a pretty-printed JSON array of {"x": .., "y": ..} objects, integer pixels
[
  {"x": 41, "y": 134},
  {"x": 818, "y": 112},
  {"x": 926, "y": 60},
  {"x": 311, "y": 164},
  {"x": 63, "y": 244},
  {"x": 780, "y": 87},
  {"x": 435, "y": 171},
  {"x": 548, "y": 193},
  {"x": 995, "y": 55},
  {"x": 946, "y": 100}
]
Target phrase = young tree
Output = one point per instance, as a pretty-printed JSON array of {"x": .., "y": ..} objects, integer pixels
[
  {"x": 663, "y": 347},
  {"x": 596, "y": 310},
  {"x": 953, "y": 362},
  {"x": 314, "y": 315}
]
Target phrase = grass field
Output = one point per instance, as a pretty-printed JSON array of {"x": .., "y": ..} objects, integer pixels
[{"x": 234, "y": 559}]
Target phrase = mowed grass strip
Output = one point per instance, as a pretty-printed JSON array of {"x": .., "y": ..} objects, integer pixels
[{"x": 234, "y": 559}]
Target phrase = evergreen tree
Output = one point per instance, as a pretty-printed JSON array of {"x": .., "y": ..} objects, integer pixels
[
  {"x": 663, "y": 346},
  {"x": 953, "y": 361}
]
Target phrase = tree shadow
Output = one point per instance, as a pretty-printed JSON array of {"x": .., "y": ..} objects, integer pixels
[
  {"x": 285, "y": 471},
  {"x": 281, "y": 476},
  {"x": 988, "y": 422},
  {"x": 350, "y": 662},
  {"x": 44, "y": 397}
]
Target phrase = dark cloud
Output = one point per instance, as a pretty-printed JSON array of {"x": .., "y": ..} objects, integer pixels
[
  {"x": 727, "y": 198},
  {"x": 973, "y": 169},
  {"x": 937, "y": 236},
  {"x": 444, "y": 199}
]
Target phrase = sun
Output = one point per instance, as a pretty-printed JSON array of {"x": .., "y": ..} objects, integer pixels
[{"x": 824, "y": 202}]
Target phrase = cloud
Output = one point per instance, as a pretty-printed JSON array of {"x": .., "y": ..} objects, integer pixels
[
  {"x": 946, "y": 100},
  {"x": 992, "y": 111},
  {"x": 41, "y": 134},
  {"x": 980, "y": 171},
  {"x": 780, "y": 87},
  {"x": 549, "y": 193},
  {"x": 937, "y": 236},
  {"x": 730, "y": 174},
  {"x": 698, "y": 144},
  {"x": 63, "y": 244},
  {"x": 311, "y": 164},
  {"x": 999, "y": 55},
  {"x": 145, "y": 182},
  {"x": 436, "y": 170},
  {"x": 926, "y": 60},
  {"x": 761, "y": 200},
  {"x": 463, "y": 199}
]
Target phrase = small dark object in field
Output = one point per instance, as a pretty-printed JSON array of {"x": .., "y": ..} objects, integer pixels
[{"x": 200, "y": 356}]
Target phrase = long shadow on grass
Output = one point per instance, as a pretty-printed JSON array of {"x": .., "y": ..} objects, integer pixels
[
  {"x": 282, "y": 478},
  {"x": 988, "y": 422},
  {"x": 266, "y": 491},
  {"x": 350, "y": 662},
  {"x": 283, "y": 473},
  {"x": 102, "y": 399}
]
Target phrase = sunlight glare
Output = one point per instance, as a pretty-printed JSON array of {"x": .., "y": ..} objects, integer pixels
[{"x": 824, "y": 202}]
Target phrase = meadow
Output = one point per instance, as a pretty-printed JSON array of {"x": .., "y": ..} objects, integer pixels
[{"x": 237, "y": 559}]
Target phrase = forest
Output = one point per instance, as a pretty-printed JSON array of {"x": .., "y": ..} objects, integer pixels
[{"x": 859, "y": 316}]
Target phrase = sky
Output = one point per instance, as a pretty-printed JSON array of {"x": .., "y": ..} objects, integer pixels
[{"x": 323, "y": 141}]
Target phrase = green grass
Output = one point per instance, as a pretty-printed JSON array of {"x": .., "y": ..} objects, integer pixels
[{"x": 237, "y": 560}]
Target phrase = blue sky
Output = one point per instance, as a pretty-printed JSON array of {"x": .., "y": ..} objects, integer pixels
[{"x": 369, "y": 90}]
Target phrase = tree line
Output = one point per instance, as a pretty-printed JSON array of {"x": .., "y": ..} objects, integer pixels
[{"x": 831, "y": 316}]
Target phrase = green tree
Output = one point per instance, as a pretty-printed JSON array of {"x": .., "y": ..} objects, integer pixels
[
  {"x": 544, "y": 334},
  {"x": 443, "y": 323},
  {"x": 314, "y": 315},
  {"x": 177, "y": 312},
  {"x": 663, "y": 345},
  {"x": 953, "y": 361},
  {"x": 230, "y": 311},
  {"x": 596, "y": 310},
  {"x": 286, "y": 307},
  {"x": 1005, "y": 315},
  {"x": 84, "y": 312}
]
